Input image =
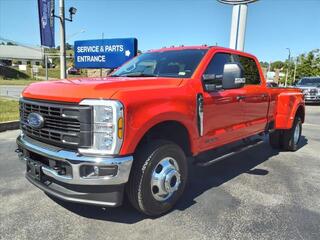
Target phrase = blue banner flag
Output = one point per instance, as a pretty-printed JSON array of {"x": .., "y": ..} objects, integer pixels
[
  {"x": 46, "y": 22},
  {"x": 104, "y": 53}
]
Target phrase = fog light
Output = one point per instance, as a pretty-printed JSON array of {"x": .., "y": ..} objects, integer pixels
[{"x": 91, "y": 171}]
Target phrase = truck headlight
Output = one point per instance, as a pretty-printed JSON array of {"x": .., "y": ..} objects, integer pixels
[{"x": 107, "y": 126}]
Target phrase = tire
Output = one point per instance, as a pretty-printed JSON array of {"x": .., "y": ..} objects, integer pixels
[
  {"x": 275, "y": 139},
  {"x": 291, "y": 137},
  {"x": 160, "y": 158}
]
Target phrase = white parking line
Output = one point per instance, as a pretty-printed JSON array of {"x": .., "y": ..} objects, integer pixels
[{"x": 312, "y": 125}]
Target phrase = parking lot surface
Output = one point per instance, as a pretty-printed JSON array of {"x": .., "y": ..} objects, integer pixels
[
  {"x": 11, "y": 91},
  {"x": 258, "y": 194}
]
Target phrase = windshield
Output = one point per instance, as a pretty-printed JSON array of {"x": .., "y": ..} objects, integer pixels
[
  {"x": 315, "y": 82},
  {"x": 176, "y": 64}
]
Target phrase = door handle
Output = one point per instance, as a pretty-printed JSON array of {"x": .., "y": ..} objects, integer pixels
[
  {"x": 264, "y": 96},
  {"x": 240, "y": 98}
]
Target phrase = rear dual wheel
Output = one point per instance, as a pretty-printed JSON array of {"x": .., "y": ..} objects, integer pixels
[
  {"x": 287, "y": 139},
  {"x": 158, "y": 177}
]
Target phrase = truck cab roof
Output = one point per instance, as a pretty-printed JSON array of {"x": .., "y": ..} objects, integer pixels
[{"x": 216, "y": 48}]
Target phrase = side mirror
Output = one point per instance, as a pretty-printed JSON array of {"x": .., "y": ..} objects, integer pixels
[{"x": 233, "y": 76}]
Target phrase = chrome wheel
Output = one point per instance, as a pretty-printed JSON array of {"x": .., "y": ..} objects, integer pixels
[
  {"x": 296, "y": 134},
  {"x": 165, "y": 180}
]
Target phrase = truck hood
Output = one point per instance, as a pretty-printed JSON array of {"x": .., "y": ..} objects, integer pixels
[{"x": 75, "y": 90}]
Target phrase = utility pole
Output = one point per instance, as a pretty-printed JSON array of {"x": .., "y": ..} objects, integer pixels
[
  {"x": 295, "y": 70},
  {"x": 289, "y": 56},
  {"x": 46, "y": 63},
  {"x": 62, "y": 40},
  {"x": 102, "y": 37},
  {"x": 63, "y": 19}
]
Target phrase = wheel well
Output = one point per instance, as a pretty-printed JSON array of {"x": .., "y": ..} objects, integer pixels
[
  {"x": 300, "y": 113},
  {"x": 170, "y": 130}
]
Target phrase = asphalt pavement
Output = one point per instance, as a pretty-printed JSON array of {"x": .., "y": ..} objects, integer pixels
[
  {"x": 258, "y": 194},
  {"x": 11, "y": 91}
]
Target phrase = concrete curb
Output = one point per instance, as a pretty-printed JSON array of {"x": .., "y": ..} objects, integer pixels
[{"x": 4, "y": 126}]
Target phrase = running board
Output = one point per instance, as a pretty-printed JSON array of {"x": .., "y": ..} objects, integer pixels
[{"x": 229, "y": 154}]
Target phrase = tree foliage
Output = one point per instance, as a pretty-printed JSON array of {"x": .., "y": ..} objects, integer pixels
[
  {"x": 277, "y": 65},
  {"x": 67, "y": 46},
  {"x": 11, "y": 44},
  {"x": 307, "y": 65},
  {"x": 264, "y": 64}
]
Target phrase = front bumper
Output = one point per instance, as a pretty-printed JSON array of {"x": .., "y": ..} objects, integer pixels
[{"x": 72, "y": 185}]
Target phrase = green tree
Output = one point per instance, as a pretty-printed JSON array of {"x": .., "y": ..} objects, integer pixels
[
  {"x": 11, "y": 44},
  {"x": 68, "y": 47},
  {"x": 277, "y": 65},
  {"x": 264, "y": 64},
  {"x": 308, "y": 64}
]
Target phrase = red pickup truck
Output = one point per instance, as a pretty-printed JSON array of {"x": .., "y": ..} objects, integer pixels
[{"x": 93, "y": 140}]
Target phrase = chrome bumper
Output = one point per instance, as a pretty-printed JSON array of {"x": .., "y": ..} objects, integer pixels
[
  {"x": 315, "y": 98},
  {"x": 76, "y": 160}
]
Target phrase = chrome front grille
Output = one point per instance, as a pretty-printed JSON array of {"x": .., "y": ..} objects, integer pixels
[
  {"x": 64, "y": 125},
  {"x": 310, "y": 92},
  {"x": 313, "y": 92}
]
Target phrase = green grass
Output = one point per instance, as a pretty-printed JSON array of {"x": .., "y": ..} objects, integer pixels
[
  {"x": 9, "y": 110},
  {"x": 13, "y": 73},
  {"x": 52, "y": 72},
  {"x": 22, "y": 82}
]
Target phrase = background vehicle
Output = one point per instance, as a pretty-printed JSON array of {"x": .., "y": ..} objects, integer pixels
[
  {"x": 91, "y": 140},
  {"x": 73, "y": 71},
  {"x": 311, "y": 89},
  {"x": 272, "y": 84}
]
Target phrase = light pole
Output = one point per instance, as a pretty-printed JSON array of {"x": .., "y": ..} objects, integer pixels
[
  {"x": 62, "y": 19},
  {"x": 295, "y": 70},
  {"x": 238, "y": 23},
  {"x": 289, "y": 56},
  {"x": 62, "y": 40}
]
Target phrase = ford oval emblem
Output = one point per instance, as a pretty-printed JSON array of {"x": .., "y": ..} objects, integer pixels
[{"x": 35, "y": 120}]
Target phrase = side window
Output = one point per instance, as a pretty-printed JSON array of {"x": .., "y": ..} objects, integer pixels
[
  {"x": 217, "y": 63},
  {"x": 251, "y": 72},
  {"x": 216, "y": 66}
]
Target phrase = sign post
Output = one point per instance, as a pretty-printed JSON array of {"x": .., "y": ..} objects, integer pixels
[
  {"x": 104, "y": 53},
  {"x": 238, "y": 23}
]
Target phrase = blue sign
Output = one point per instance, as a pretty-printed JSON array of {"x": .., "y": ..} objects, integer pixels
[
  {"x": 46, "y": 22},
  {"x": 104, "y": 53}
]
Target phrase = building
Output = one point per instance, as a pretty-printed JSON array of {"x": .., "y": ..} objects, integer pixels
[{"x": 23, "y": 55}]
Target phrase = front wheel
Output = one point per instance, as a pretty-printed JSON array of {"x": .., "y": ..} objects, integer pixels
[{"x": 158, "y": 178}]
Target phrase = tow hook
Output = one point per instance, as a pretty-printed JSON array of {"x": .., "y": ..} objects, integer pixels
[{"x": 20, "y": 154}]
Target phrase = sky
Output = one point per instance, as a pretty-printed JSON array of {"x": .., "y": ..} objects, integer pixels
[{"x": 272, "y": 25}]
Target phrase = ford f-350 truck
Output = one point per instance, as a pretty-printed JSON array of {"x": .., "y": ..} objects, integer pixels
[{"x": 92, "y": 140}]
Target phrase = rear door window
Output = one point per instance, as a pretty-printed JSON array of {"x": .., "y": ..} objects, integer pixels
[{"x": 251, "y": 71}]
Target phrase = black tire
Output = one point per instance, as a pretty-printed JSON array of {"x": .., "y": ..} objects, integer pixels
[
  {"x": 275, "y": 139},
  {"x": 288, "y": 141},
  {"x": 139, "y": 190}
]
